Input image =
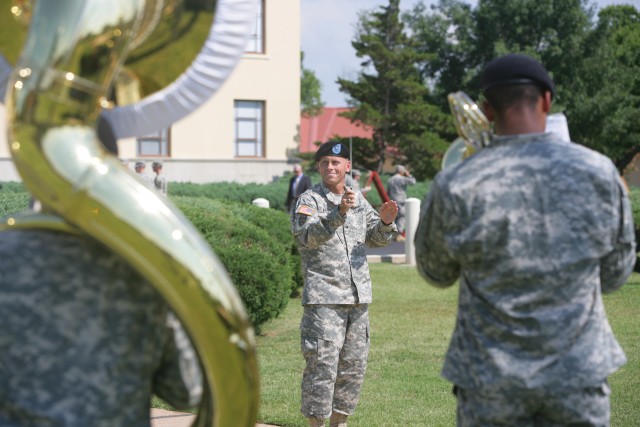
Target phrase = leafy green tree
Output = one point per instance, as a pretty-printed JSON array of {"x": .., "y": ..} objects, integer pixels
[
  {"x": 550, "y": 30},
  {"x": 464, "y": 40},
  {"x": 389, "y": 94},
  {"x": 604, "y": 98},
  {"x": 595, "y": 64},
  {"x": 445, "y": 33},
  {"x": 310, "y": 91}
]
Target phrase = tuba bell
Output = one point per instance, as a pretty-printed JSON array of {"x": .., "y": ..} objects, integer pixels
[
  {"x": 475, "y": 130},
  {"x": 472, "y": 126},
  {"x": 74, "y": 54}
]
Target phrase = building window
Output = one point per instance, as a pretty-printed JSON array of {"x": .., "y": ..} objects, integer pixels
[
  {"x": 249, "y": 128},
  {"x": 157, "y": 144},
  {"x": 255, "y": 44}
]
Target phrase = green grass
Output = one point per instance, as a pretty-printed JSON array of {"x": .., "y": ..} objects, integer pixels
[{"x": 411, "y": 326}]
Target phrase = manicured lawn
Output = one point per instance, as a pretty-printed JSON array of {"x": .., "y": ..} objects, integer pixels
[{"x": 411, "y": 325}]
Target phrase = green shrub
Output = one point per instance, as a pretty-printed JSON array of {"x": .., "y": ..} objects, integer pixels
[
  {"x": 634, "y": 197},
  {"x": 275, "y": 193},
  {"x": 278, "y": 225},
  {"x": 13, "y": 201},
  {"x": 259, "y": 265},
  {"x": 12, "y": 187}
]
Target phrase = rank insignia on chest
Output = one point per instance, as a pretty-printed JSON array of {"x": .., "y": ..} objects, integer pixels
[{"x": 306, "y": 210}]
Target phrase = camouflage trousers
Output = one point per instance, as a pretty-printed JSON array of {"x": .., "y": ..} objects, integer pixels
[
  {"x": 534, "y": 408},
  {"x": 335, "y": 346},
  {"x": 400, "y": 217}
]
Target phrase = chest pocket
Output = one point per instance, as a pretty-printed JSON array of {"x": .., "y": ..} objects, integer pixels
[{"x": 355, "y": 228}]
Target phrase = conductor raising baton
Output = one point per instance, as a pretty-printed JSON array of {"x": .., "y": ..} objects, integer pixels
[{"x": 332, "y": 224}]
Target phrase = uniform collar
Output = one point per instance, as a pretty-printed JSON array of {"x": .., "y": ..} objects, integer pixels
[
  {"x": 521, "y": 138},
  {"x": 333, "y": 197}
]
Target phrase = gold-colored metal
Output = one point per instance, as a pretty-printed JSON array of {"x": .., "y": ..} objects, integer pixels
[
  {"x": 170, "y": 37},
  {"x": 472, "y": 126},
  {"x": 71, "y": 56}
]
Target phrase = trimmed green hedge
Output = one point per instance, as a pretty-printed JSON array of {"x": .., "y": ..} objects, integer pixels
[
  {"x": 254, "y": 247},
  {"x": 12, "y": 187},
  {"x": 13, "y": 201},
  {"x": 278, "y": 225},
  {"x": 634, "y": 197},
  {"x": 275, "y": 193}
]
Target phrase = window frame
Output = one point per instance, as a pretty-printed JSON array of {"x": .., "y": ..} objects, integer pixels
[
  {"x": 257, "y": 37},
  {"x": 161, "y": 138},
  {"x": 259, "y": 141}
]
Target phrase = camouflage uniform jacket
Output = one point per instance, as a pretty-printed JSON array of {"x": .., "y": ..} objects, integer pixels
[
  {"x": 397, "y": 187},
  {"x": 534, "y": 228},
  {"x": 332, "y": 246},
  {"x": 160, "y": 183},
  {"x": 84, "y": 341}
]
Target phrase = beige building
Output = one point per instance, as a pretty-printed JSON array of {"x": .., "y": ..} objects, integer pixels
[{"x": 247, "y": 130}]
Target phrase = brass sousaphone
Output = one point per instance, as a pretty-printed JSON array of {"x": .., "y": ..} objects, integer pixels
[
  {"x": 475, "y": 129},
  {"x": 64, "y": 57},
  {"x": 472, "y": 126}
]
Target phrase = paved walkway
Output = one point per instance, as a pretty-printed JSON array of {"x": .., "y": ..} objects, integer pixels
[
  {"x": 164, "y": 418},
  {"x": 393, "y": 253}
]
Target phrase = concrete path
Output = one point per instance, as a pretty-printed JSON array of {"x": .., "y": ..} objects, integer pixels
[
  {"x": 164, "y": 418},
  {"x": 393, "y": 253}
]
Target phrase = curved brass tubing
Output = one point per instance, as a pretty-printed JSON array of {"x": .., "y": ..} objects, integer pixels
[
  {"x": 72, "y": 53},
  {"x": 472, "y": 126}
]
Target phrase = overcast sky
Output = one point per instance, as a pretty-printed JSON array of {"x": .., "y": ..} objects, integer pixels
[{"x": 328, "y": 27}]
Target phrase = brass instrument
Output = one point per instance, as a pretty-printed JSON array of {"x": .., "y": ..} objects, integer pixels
[
  {"x": 472, "y": 126},
  {"x": 71, "y": 55}
]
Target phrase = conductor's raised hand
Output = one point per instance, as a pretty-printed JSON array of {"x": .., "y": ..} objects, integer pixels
[
  {"x": 348, "y": 201},
  {"x": 388, "y": 212}
]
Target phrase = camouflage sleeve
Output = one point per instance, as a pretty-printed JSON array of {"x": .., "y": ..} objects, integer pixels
[
  {"x": 310, "y": 227},
  {"x": 378, "y": 234},
  {"x": 616, "y": 266},
  {"x": 179, "y": 379},
  {"x": 432, "y": 257}
]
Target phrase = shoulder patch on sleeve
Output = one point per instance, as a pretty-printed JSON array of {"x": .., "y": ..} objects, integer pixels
[{"x": 306, "y": 210}]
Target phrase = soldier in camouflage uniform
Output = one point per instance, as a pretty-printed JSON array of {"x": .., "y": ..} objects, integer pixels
[
  {"x": 159, "y": 181},
  {"x": 534, "y": 228},
  {"x": 397, "y": 191},
  {"x": 84, "y": 341},
  {"x": 332, "y": 224}
]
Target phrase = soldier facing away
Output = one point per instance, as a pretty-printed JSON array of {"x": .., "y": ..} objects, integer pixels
[{"x": 534, "y": 228}]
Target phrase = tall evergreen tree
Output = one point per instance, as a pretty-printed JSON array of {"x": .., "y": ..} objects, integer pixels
[{"x": 390, "y": 96}]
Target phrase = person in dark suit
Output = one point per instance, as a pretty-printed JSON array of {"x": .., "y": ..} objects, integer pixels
[{"x": 298, "y": 184}]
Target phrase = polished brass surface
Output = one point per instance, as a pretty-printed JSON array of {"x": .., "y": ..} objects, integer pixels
[
  {"x": 472, "y": 126},
  {"x": 71, "y": 56},
  {"x": 169, "y": 39}
]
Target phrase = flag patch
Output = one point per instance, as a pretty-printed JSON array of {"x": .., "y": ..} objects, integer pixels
[{"x": 306, "y": 210}]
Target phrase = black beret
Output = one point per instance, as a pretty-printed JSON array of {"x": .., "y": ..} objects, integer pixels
[
  {"x": 516, "y": 69},
  {"x": 332, "y": 148}
]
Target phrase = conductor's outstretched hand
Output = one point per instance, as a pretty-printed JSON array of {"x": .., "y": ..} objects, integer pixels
[{"x": 388, "y": 212}]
